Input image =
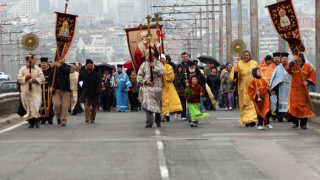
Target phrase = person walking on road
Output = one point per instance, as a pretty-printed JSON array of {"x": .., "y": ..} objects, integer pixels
[
  {"x": 61, "y": 91},
  {"x": 301, "y": 79},
  {"x": 151, "y": 91},
  {"x": 30, "y": 86},
  {"x": 121, "y": 84},
  {"x": 259, "y": 93},
  {"x": 90, "y": 78},
  {"x": 241, "y": 74},
  {"x": 193, "y": 93}
]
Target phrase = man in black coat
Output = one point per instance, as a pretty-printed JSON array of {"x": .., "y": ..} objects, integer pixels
[
  {"x": 90, "y": 82},
  {"x": 61, "y": 91}
]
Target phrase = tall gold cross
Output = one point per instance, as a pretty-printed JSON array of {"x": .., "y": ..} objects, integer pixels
[{"x": 156, "y": 19}]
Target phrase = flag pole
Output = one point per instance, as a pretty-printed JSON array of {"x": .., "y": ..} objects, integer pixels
[{"x": 54, "y": 73}]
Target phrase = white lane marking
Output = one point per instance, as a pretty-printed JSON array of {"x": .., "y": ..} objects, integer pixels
[
  {"x": 157, "y": 132},
  {"x": 160, "y": 145},
  {"x": 13, "y": 127},
  {"x": 162, "y": 160}
]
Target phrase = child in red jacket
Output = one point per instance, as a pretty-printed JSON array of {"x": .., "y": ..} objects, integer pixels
[{"x": 193, "y": 92}]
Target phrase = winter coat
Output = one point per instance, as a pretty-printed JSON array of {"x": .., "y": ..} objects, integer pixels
[
  {"x": 179, "y": 83},
  {"x": 91, "y": 87},
  {"x": 226, "y": 84},
  {"x": 213, "y": 82},
  {"x": 62, "y": 80}
]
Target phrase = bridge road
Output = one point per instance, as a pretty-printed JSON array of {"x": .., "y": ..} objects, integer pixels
[{"x": 118, "y": 146}]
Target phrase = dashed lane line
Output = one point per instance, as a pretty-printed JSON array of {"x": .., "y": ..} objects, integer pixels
[{"x": 162, "y": 160}]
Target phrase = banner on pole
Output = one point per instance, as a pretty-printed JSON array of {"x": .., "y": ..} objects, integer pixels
[
  {"x": 65, "y": 31},
  {"x": 138, "y": 44},
  {"x": 286, "y": 23}
]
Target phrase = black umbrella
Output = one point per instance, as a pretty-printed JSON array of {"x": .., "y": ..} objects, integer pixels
[
  {"x": 205, "y": 59},
  {"x": 102, "y": 67}
]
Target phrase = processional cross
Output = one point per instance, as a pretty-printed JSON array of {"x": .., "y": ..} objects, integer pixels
[{"x": 149, "y": 35}]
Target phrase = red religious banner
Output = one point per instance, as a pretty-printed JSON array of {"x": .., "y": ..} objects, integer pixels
[
  {"x": 65, "y": 31},
  {"x": 286, "y": 24},
  {"x": 138, "y": 43}
]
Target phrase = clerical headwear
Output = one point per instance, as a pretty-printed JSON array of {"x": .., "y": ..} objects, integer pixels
[
  {"x": 191, "y": 63},
  {"x": 89, "y": 61},
  {"x": 119, "y": 65},
  {"x": 196, "y": 61},
  {"x": 276, "y": 54},
  {"x": 268, "y": 57},
  {"x": 27, "y": 58},
  {"x": 44, "y": 59},
  {"x": 284, "y": 54}
]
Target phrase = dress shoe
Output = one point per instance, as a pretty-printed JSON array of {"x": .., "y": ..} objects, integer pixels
[{"x": 148, "y": 126}]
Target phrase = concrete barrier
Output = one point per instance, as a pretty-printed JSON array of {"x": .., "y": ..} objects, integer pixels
[{"x": 9, "y": 103}]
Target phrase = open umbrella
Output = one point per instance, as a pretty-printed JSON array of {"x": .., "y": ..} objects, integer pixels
[
  {"x": 102, "y": 67},
  {"x": 205, "y": 59},
  {"x": 128, "y": 64}
]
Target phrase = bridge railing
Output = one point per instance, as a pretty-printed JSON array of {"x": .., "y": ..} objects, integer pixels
[
  {"x": 9, "y": 103},
  {"x": 315, "y": 97}
]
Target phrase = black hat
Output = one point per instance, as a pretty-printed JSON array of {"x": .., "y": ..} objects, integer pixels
[
  {"x": 119, "y": 65},
  {"x": 268, "y": 57},
  {"x": 89, "y": 61},
  {"x": 191, "y": 63},
  {"x": 196, "y": 61},
  {"x": 275, "y": 54},
  {"x": 27, "y": 58},
  {"x": 284, "y": 54},
  {"x": 44, "y": 59}
]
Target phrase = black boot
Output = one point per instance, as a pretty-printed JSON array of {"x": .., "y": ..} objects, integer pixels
[
  {"x": 58, "y": 121},
  {"x": 36, "y": 123},
  {"x": 31, "y": 123}
]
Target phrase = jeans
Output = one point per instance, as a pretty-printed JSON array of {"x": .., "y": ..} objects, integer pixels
[
  {"x": 184, "y": 104},
  {"x": 201, "y": 105}
]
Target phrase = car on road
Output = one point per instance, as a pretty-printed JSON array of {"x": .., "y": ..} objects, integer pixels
[
  {"x": 8, "y": 86},
  {"x": 4, "y": 77}
]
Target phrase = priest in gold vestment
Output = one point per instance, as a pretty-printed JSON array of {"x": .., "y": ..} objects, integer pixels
[
  {"x": 242, "y": 74},
  {"x": 170, "y": 98}
]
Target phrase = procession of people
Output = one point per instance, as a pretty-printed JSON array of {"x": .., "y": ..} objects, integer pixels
[{"x": 165, "y": 89}]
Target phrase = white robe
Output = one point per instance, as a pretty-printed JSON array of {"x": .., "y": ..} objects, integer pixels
[{"x": 31, "y": 99}]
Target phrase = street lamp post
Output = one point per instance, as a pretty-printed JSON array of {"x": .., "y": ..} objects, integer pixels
[
  {"x": 201, "y": 44},
  {"x": 221, "y": 33},
  {"x": 228, "y": 31},
  {"x": 254, "y": 30},
  {"x": 213, "y": 29},
  {"x": 207, "y": 30}
]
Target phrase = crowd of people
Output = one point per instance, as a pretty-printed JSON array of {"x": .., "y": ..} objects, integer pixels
[{"x": 166, "y": 89}]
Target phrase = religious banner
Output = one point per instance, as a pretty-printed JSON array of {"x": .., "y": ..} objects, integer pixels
[
  {"x": 65, "y": 31},
  {"x": 286, "y": 24},
  {"x": 138, "y": 43}
]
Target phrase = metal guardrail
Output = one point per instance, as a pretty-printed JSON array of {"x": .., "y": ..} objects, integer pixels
[
  {"x": 315, "y": 97},
  {"x": 9, "y": 103}
]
